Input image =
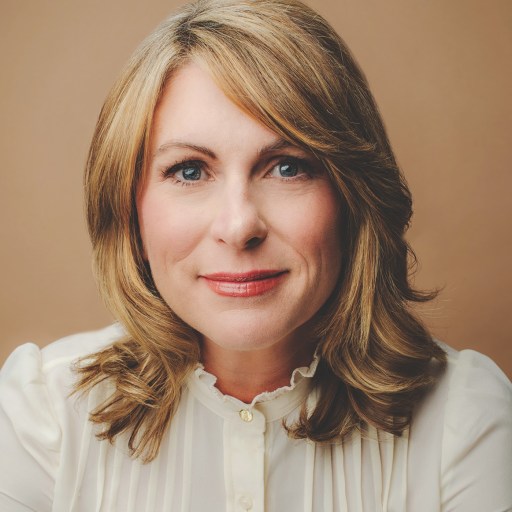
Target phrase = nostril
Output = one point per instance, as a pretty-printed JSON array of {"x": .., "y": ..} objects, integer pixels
[{"x": 253, "y": 242}]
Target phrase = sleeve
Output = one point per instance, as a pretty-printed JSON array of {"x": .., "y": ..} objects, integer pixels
[
  {"x": 476, "y": 465},
  {"x": 30, "y": 434}
]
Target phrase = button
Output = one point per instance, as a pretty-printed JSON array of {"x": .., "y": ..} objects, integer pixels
[
  {"x": 245, "y": 501},
  {"x": 246, "y": 415}
]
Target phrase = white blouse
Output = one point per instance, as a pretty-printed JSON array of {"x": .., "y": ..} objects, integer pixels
[{"x": 224, "y": 455}]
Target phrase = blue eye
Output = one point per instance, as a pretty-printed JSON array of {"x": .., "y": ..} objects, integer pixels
[
  {"x": 186, "y": 172},
  {"x": 288, "y": 169},
  {"x": 191, "y": 173}
]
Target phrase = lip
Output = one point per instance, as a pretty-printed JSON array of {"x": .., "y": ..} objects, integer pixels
[{"x": 244, "y": 284}]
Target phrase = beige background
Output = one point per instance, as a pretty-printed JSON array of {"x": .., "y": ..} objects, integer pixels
[{"x": 440, "y": 72}]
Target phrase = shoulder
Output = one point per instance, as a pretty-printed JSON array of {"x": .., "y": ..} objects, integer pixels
[
  {"x": 465, "y": 365},
  {"x": 36, "y": 413},
  {"x": 29, "y": 367},
  {"x": 474, "y": 385},
  {"x": 471, "y": 383},
  {"x": 64, "y": 350},
  {"x": 471, "y": 391},
  {"x": 470, "y": 394},
  {"x": 468, "y": 376},
  {"x": 477, "y": 396},
  {"x": 79, "y": 345},
  {"x": 473, "y": 406},
  {"x": 32, "y": 376},
  {"x": 28, "y": 359}
]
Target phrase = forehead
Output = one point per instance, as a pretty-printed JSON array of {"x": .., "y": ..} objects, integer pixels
[{"x": 194, "y": 108}]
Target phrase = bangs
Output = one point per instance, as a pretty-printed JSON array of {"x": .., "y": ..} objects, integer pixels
[{"x": 276, "y": 73}]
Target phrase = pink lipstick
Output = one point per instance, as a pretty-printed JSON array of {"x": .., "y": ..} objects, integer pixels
[{"x": 246, "y": 284}]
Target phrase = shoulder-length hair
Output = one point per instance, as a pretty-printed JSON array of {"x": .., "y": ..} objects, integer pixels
[{"x": 283, "y": 64}]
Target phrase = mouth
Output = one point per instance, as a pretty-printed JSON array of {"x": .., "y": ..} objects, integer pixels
[{"x": 244, "y": 284}]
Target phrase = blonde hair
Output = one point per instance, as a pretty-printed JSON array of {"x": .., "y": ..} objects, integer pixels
[{"x": 283, "y": 64}]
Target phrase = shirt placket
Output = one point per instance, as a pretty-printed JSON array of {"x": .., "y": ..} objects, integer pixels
[{"x": 244, "y": 471}]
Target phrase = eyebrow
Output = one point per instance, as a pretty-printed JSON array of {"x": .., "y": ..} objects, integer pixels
[
  {"x": 269, "y": 148},
  {"x": 275, "y": 146},
  {"x": 187, "y": 145}
]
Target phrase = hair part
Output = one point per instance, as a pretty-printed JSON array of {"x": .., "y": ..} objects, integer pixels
[{"x": 283, "y": 64}]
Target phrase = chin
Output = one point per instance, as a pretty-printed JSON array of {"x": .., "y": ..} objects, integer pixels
[
  {"x": 237, "y": 345},
  {"x": 242, "y": 340},
  {"x": 247, "y": 334}
]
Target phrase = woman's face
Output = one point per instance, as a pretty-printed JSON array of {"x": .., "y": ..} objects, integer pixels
[{"x": 241, "y": 230}]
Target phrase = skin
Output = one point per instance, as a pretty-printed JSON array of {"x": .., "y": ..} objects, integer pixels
[{"x": 244, "y": 200}]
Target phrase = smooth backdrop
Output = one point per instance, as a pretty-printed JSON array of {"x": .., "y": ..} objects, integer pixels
[{"x": 440, "y": 72}]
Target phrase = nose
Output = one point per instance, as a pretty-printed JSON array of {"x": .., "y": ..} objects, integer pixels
[{"x": 239, "y": 222}]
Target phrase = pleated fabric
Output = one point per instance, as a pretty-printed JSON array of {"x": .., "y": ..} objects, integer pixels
[{"x": 221, "y": 454}]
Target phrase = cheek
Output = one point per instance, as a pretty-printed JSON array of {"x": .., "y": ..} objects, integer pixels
[
  {"x": 313, "y": 225},
  {"x": 169, "y": 232}
]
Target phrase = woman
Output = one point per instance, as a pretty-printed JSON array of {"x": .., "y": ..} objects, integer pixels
[{"x": 247, "y": 218}]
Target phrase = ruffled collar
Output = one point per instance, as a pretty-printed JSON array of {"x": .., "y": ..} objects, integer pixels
[{"x": 273, "y": 404}]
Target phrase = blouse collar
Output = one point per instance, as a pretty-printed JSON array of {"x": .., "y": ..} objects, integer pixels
[{"x": 274, "y": 405}]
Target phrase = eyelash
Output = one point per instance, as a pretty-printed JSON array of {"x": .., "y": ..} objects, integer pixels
[
  {"x": 305, "y": 169},
  {"x": 170, "y": 172}
]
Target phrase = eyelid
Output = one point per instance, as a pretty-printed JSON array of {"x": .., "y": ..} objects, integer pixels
[
  {"x": 308, "y": 166},
  {"x": 171, "y": 170},
  {"x": 305, "y": 164}
]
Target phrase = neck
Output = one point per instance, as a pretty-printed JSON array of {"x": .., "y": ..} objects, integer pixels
[{"x": 245, "y": 374}]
